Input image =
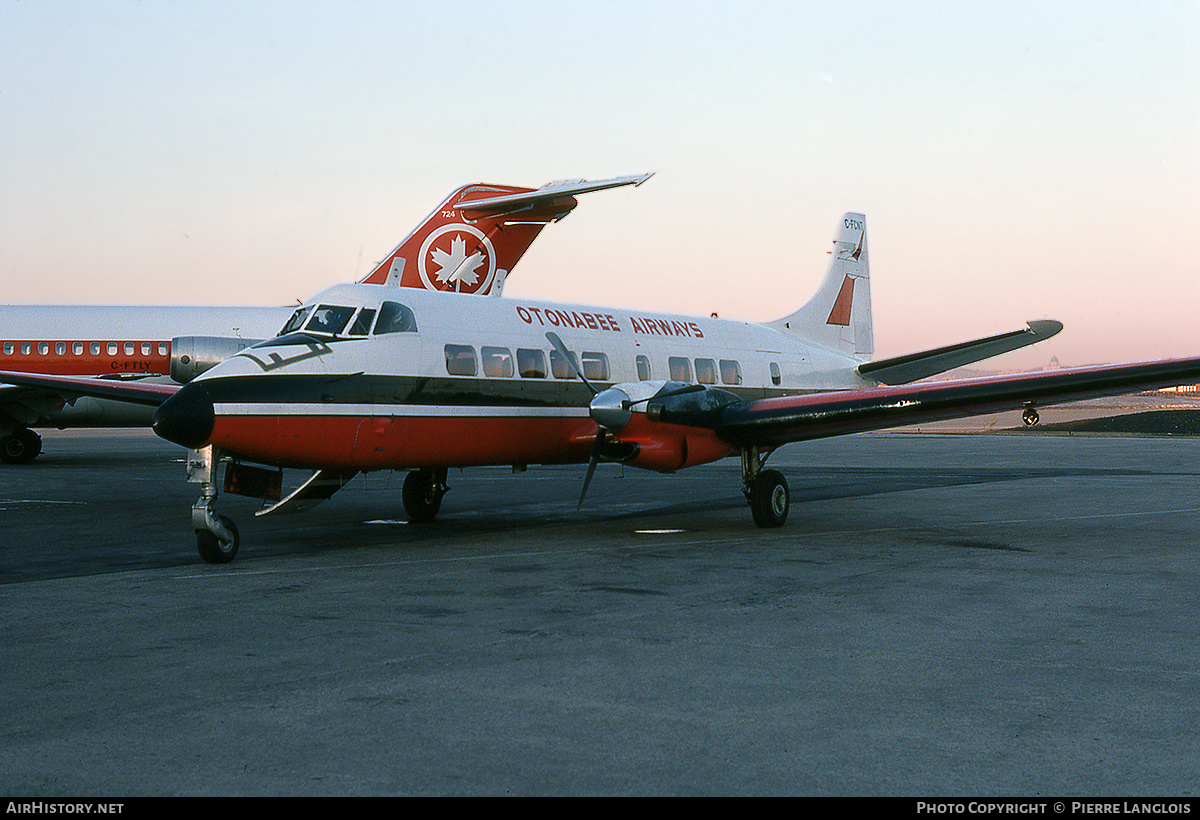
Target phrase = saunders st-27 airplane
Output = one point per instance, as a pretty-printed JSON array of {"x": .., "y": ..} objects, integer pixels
[
  {"x": 468, "y": 244},
  {"x": 362, "y": 378}
]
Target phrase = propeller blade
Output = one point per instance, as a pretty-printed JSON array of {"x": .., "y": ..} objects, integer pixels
[
  {"x": 566, "y": 354},
  {"x": 587, "y": 479}
]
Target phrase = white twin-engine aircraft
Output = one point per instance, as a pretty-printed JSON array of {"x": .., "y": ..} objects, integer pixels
[{"x": 363, "y": 378}]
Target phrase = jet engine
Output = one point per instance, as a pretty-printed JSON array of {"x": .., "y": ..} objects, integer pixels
[{"x": 192, "y": 355}]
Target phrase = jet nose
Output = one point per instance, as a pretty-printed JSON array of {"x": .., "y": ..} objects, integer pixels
[{"x": 186, "y": 418}]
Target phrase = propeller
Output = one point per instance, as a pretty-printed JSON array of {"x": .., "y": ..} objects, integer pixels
[
  {"x": 609, "y": 408},
  {"x": 601, "y": 428}
]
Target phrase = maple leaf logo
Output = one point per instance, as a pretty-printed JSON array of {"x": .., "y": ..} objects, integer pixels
[{"x": 455, "y": 267}]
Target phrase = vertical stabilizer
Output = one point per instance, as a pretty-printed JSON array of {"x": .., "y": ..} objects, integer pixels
[{"x": 839, "y": 315}]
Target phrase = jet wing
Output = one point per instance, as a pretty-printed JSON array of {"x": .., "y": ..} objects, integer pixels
[
  {"x": 72, "y": 387},
  {"x": 910, "y": 368},
  {"x": 774, "y": 421}
]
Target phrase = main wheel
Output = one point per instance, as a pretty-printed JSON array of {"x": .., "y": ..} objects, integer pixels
[
  {"x": 422, "y": 494},
  {"x": 212, "y": 549},
  {"x": 22, "y": 447},
  {"x": 1030, "y": 417},
  {"x": 769, "y": 499}
]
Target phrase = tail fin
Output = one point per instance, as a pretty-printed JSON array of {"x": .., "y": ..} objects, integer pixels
[
  {"x": 839, "y": 315},
  {"x": 471, "y": 242}
]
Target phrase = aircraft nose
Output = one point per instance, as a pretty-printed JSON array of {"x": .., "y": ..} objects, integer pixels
[{"x": 186, "y": 418}]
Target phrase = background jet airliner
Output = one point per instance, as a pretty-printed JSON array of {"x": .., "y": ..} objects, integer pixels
[
  {"x": 469, "y": 244},
  {"x": 367, "y": 379}
]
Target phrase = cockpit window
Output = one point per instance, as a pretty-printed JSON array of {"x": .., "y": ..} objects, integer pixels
[
  {"x": 362, "y": 324},
  {"x": 297, "y": 320},
  {"x": 329, "y": 319},
  {"x": 395, "y": 318}
]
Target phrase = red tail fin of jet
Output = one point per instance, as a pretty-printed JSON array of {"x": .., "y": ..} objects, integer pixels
[{"x": 473, "y": 239}]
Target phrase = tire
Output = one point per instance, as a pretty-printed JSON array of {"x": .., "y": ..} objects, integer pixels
[
  {"x": 422, "y": 495},
  {"x": 770, "y": 499},
  {"x": 210, "y": 547},
  {"x": 22, "y": 447}
]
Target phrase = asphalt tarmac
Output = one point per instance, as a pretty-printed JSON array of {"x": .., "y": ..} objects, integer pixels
[{"x": 974, "y": 615}]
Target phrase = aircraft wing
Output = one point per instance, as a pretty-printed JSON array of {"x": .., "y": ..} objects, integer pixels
[
  {"x": 70, "y": 388},
  {"x": 774, "y": 421},
  {"x": 905, "y": 369}
]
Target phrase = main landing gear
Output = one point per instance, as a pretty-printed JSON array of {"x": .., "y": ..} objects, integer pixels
[
  {"x": 1030, "y": 416},
  {"x": 422, "y": 493},
  {"x": 21, "y": 446},
  {"x": 765, "y": 490}
]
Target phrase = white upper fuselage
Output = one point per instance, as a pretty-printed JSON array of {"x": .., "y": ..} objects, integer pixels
[{"x": 449, "y": 323}]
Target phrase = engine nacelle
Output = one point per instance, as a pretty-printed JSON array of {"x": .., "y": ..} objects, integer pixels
[{"x": 192, "y": 355}]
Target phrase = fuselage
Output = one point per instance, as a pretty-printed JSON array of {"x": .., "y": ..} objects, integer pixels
[
  {"x": 369, "y": 378},
  {"x": 107, "y": 341}
]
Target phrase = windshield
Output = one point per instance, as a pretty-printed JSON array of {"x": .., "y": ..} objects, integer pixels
[
  {"x": 297, "y": 320},
  {"x": 329, "y": 319}
]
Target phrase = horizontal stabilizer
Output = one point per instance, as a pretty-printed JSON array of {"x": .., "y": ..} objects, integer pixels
[
  {"x": 319, "y": 487},
  {"x": 546, "y": 194},
  {"x": 910, "y": 368}
]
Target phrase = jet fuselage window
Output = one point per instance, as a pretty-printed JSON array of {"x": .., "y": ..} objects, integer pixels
[
  {"x": 731, "y": 372},
  {"x": 706, "y": 371},
  {"x": 643, "y": 368},
  {"x": 77, "y": 348},
  {"x": 362, "y": 323},
  {"x": 95, "y": 348},
  {"x": 329, "y": 319},
  {"x": 9, "y": 348},
  {"x": 296, "y": 321},
  {"x": 60, "y": 348},
  {"x": 681, "y": 369},
  {"x": 395, "y": 318},
  {"x": 775, "y": 377},
  {"x": 163, "y": 348},
  {"x": 129, "y": 349},
  {"x": 595, "y": 366},
  {"x": 531, "y": 364},
  {"x": 44, "y": 348},
  {"x": 25, "y": 348},
  {"x": 460, "y": 360},
  {"x": 497, "y": 362},
  {"x": 112, "y": 348}
]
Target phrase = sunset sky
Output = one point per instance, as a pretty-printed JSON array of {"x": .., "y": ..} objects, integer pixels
[{"x": 1015, "y": 160}]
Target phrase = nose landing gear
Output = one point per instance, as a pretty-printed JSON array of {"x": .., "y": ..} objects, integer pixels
[{"x": 216, "y": 535}]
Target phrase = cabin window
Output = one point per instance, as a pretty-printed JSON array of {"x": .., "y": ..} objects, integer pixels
[
  {"x": 595, "y": 366},
  {"x": 531, "y": 364},
  {"x": 497, "y": 362},
  {"x": 460, "y": 360},
  {"x": 395, "y": 318},
  {"x": 775, "y": 377},
  {"x": 362, "y": 322},
  {"x": 44, "y": 348},
  {"x": 297, "y": 320},
  {"x": 112, "y": 348},
  {"x": 163, "y": 348},
  {"x": 329, "y": 319},
  {"x": 643, "y": 368},
  {"x": 706, "y": 371},
  {"x": 60, "y": 348},
  {"x": 731, "y": 372},
  {"x": 130, "y": 349},
  {"x": 9, "y": 347},
  {"x": 95, "y": 348},
  {"x": 77, "y": 348},
  {"x": 146, "y": 348},
  {"x": 560, "y": 367},
  {"x": 681, "y": 369}
]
